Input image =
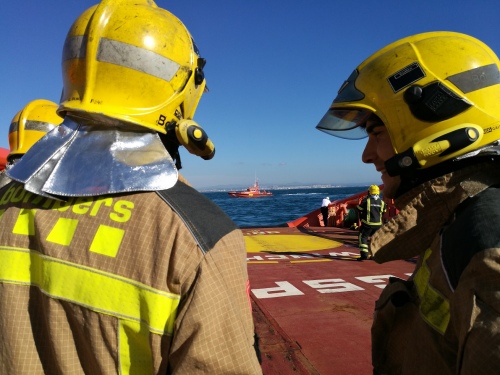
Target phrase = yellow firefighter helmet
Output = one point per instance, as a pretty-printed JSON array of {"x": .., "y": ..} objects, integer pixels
[
  {"x": 131, "y": 61},
  {"x": 437, "y": 93},
  {"x": 30, "y": 124},
  {"x": 374, "y": 190}
]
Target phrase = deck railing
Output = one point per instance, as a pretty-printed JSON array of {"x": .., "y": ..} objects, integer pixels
[{"x": 342, "y": 213}]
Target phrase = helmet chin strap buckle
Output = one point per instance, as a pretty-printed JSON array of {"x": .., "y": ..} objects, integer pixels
[
  {"x": 400, "y": 163},
  {"x": 428, "y": 151},
  {"x": 194, "y": 139},
  {"x": 189, "y": 134}
]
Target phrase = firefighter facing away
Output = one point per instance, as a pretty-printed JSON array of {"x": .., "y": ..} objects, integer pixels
[
  {"x": 105, "y": 268},
  {"x": 371, "y": 210},
  {"x": 430, "y": 107},
  {"x": 31, "y": 123}
]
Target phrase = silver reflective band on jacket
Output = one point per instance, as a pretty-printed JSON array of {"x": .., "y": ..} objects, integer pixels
[{"x": 90, "y": 159}]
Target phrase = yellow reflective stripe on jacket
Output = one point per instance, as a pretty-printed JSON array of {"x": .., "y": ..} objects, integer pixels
[
  {"x": 434, "y": 307},
  {"x": 135, "y": 355},
  {"x": 140, "y": 308},
  {"x": 368, "y": 212}
]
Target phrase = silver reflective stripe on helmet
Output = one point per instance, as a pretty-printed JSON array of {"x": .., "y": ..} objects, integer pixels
[
  {"x": 140, "y": 59},
  {"x": 476, "y": 79},
  {"x": 40, "y": 126},
  {"x": 123, "y": 54},
  {"x": 75, "y": 47}
]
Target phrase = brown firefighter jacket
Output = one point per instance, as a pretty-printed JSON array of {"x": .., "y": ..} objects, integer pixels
[
  {"x": 446, "y": 318},
  {"x": 122, "y": 284}
]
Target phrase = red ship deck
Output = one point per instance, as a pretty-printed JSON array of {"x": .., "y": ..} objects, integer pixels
[{"x": 312, "y": 300}]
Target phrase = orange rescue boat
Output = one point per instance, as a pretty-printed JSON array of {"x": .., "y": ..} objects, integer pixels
[{"x": 251, "y": 192}]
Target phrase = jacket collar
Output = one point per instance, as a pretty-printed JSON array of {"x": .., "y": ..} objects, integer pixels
[{"x": 426, "y": 208}]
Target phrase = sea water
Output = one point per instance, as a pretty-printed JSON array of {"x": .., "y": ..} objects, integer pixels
[{"x": 285, "y": 205}]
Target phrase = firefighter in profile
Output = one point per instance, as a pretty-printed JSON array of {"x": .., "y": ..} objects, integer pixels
[
  {"x": 430, "y": 107},
  {"x": 371, "y": 210},
  {"x": 105, "y": 268}
]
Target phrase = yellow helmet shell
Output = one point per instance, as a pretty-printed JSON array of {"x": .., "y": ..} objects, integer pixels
[
  {"x": 131, "y": 61},
  {"x": 437, "y": 94},
  {"x": 374, "y": 190},
  {"x": 30, "y": 124}
]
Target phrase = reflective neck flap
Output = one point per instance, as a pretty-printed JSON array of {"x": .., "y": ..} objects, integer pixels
[{"x": 79, "y": 159}]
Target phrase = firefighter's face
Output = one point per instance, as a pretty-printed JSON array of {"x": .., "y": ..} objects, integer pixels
[{"x": 378, "y": 149}]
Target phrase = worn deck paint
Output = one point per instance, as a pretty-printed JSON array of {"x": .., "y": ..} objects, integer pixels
[{"x": 312, "y": 300}]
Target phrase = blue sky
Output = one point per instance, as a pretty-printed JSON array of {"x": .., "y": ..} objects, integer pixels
[{"x": 273, "y": 68}]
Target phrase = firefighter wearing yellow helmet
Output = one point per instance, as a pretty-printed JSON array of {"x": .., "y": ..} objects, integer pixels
[
  {"x": 30, "y": 124},
  {"x": 111, "y": 263},
  {"x": 371, "y": 210},
  {"x": 373, "y": 190},
  {"x": 430, "y": 106}
]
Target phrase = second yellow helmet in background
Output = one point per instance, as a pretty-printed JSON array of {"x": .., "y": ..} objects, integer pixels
[{"x": 30, "y": 124}]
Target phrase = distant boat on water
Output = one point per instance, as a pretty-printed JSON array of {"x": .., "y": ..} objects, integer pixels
[{"x": 251, "y": 192}]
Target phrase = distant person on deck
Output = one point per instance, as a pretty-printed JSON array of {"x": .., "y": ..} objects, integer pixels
[
  {"x": 430, "y": 107},
  {"x": 324, "y": 210},
  {"x": 371, "y": 209}
]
